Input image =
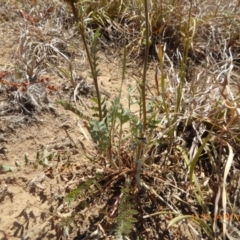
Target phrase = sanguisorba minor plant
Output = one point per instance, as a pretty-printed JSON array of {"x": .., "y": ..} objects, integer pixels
[{"x": 106, "y": 129}]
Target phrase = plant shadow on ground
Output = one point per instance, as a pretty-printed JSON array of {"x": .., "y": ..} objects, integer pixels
[{"x": 165, "y": 165}]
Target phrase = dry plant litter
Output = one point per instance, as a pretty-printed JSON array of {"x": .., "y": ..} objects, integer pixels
[{"x": 158, "y": 159}]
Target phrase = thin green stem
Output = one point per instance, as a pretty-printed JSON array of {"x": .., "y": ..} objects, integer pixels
[
  {"x": 143, "y": 85},
  {"x": 93, "y": 70}
]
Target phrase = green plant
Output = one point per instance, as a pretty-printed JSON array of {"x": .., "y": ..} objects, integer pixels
[
  {"x": 126, "y": 213},
  {"x": 106, "y": 129}
]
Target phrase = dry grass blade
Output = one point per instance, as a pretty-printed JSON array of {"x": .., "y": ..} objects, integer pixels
[
  {"x": 194, "y": 219},
  {"x": 196, "y": 157},
  {"x": 224, "y": 193}
]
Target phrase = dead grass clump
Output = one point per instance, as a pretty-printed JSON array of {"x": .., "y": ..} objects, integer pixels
[
  {"x": 208, "y": 27},
  {"x": 41, "y": 50}
]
